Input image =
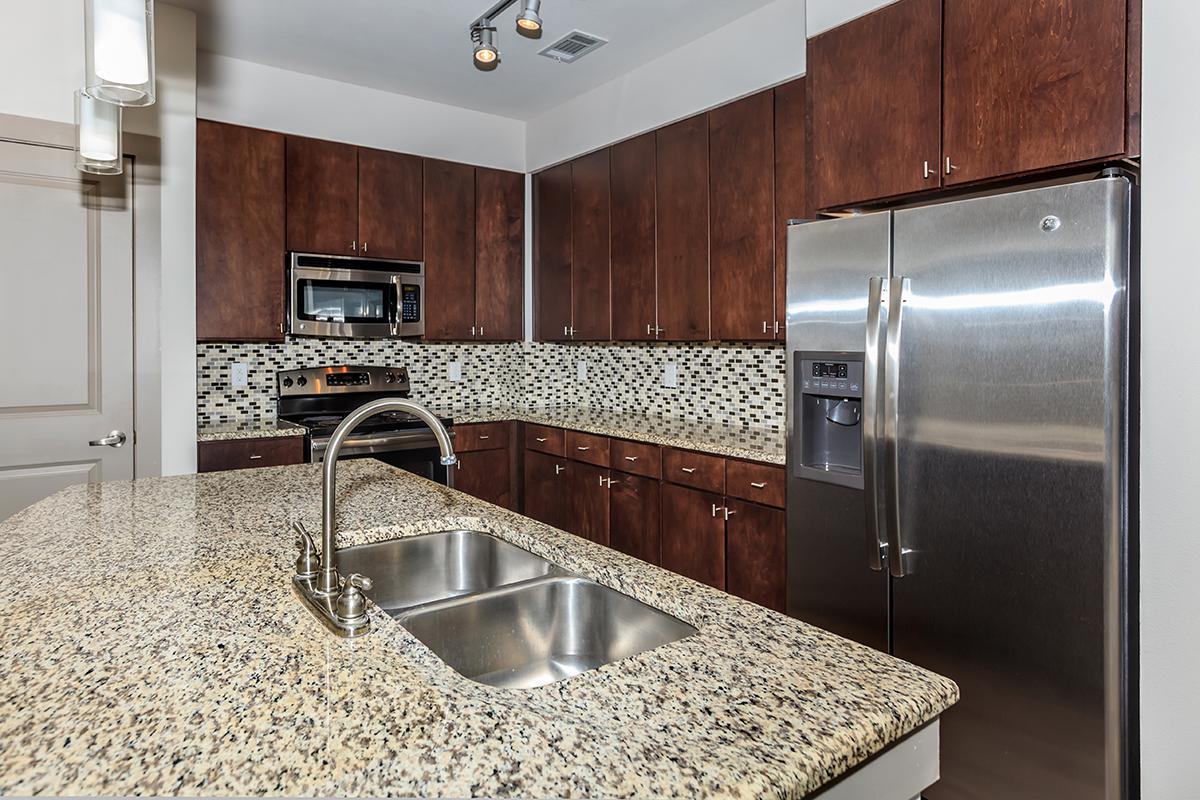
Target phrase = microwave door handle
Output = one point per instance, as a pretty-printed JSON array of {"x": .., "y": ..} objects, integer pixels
[
  {"x": 900, "y": 558},
  {"x": 873, "y": 361},
  {"x": 397, "y": 305}
]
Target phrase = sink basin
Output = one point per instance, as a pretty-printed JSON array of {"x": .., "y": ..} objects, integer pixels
[
  {"x": 540, "y": 632},
  {"x": 435, "y": 566}
]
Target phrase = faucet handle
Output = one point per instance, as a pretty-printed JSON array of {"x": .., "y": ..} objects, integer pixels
[
  {"x": 352, "y": 603},
  {"x": 308, "y": 563}
]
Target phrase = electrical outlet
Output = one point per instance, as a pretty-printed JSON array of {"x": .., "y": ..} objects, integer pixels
[
  {"x": 670, "y": 376},
  {"x": 454, "y": 372},
  {"x": 581, "y": 370},
  {"x": 239, "y": 375}
]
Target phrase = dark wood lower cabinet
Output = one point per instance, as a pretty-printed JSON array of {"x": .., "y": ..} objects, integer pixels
[
  {"x": 486, "y": 474},
  {"x": 755, "y": 563},
  {"x": 635, "y": 513},
  {"x": 693, "y": 538},
  {"x": 546, "y": 482},
  {"x": 587, "y": 502},
  {"x": 248, "y": 453}
]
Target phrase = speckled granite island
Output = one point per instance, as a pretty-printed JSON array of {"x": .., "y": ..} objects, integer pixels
[{"x": 153, "y": 645}]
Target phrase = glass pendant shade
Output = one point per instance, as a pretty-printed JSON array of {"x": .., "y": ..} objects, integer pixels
[
  {"x": 97, "y": 136},
  {"x": 119, "y": 40}
]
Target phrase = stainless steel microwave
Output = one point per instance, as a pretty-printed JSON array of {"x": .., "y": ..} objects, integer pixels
[{"x": 359, "y": 298}]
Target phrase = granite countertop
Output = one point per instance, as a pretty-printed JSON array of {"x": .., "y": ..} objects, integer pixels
[
  {"x": 249, "y": 429},
  {"x": 739, "y": 441},
  {"x": 152, "y": 645}
]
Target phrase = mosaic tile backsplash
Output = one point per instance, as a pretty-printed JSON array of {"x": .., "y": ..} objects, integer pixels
[{"x": 737, "y": 384}]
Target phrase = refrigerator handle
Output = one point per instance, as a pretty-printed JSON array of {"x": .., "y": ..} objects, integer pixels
[
  {"x": 900, "y": 558},
  {"x": 877, "y": 321}
]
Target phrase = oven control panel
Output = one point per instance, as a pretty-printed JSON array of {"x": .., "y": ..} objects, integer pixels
[{"x": 341, "y": 380}]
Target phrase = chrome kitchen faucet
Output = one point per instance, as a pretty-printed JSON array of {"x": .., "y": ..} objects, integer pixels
[{"x": 338, "y": 603}]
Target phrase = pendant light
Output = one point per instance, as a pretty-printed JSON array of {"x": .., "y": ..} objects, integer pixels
[
  {"x": 119, "y": 42},
  {"x": 97, "y": 135}
]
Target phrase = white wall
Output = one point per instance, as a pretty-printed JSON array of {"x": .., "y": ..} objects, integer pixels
[
  {"x": 821, "y": 15},
  {"x": 761, "y": 49},
  {"x": 1170, "y": 439},
  {"x": 259, "y": 96},
  {"x": 41, "y": 52}
]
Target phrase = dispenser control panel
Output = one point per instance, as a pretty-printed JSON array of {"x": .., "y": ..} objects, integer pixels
[{"x": 831, "y": 377}]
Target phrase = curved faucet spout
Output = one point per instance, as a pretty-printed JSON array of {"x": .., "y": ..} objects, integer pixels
[{"x": 327, "y": 581}]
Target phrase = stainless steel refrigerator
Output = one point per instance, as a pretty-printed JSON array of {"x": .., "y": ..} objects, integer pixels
[{"x": 959, "y": 462}]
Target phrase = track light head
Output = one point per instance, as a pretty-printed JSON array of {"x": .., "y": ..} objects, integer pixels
[
  {"x": 528, "y": 21},
  {"x": 486, "y": 52}
]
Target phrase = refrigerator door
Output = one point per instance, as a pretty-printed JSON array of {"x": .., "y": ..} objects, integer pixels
[
  {"x": 831, "y": 582},
  {"x": 1009, "y": 416}
]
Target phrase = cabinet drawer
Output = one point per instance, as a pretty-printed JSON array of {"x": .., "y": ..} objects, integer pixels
[
  {"x": 637, "y": 458},
  {"x": 481, "y": 436},
  {"x": 246, "y": 453},
  {"x": 587, "y": 447},
  {"x": 758, "y": 483},
  {"x": 694, "y": 469},
  {"x": 543, "y": 438}
]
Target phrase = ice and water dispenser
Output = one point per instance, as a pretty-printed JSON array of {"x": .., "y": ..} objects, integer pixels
[{"x": 828, "y": 396}]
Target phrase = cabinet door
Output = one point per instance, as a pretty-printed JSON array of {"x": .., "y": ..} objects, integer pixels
[
  {"x": 591, "y": 298},
  {"x": 1030, "y": 84},
  {"x": 681, "y": 156},
  {"x": 552, "y": 253},
  {"x": 588, "y": 502},
  {"x": 875, "y": 86},
  {"x": 693, "y": 535},
  {"x": 741, "y": 146},
  {"x": 546, "y": 481},
  {"x": 485, "y": 474},
  {"x": 449, "y": 250},
  {"x": 239, "y": 233},
  {"x": 634, "y": 513},
  {"x": 389, "y": 205},
  {"x": 499, "y": 254},
  {"x": 791, "y": 183},
  {"x": 322, "y": 197},
  {"x": 632, "y": 239},
  {"x": 756, "y": 559}
]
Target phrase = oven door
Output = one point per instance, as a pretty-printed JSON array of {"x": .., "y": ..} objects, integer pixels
[
  {"x": 343, "y": 302},
  {"x": 413, "y": 451}
]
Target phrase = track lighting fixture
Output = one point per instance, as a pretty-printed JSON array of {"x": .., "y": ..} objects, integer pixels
[{"x": 483, "y": 32}]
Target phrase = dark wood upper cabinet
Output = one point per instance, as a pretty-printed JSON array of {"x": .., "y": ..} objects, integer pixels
[
  {"x": 1031, "y": 84},
  {"x": 791, "y": 182},
  {"x": 552, "y": 253},
  {"x": 499, "y": 254},
  {"x": 590, "y": 288},
  {"x": 876, "y": 92},
  {"x": 631, "y": 202},
  {"x": 693, "y": 543},
  {"x": 741, "y": 155},
  {"x": 389, "y": 205},
  {"x": 239, "y": 233},
  {"x": 449, "y": 231},
  {"x": 756, "y": 562},
  {"x": 634, "y": 516},
  {"x": 322, "y": 197},
  {"x": 681, "y": 170}
]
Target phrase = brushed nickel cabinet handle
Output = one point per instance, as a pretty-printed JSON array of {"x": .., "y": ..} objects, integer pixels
[
  {"x": 631, "y": 459},
  {"x": 929, "y": 173},
  {"x": 484, "y": 436},
  {"x": 715, "y": 509},
  {"x": 688, "y": 470},
  {"x": 255, "y": 457},
  {"x": 558, "y": 468},
  {"x": 949, "y": 166},
  {"x": 729, "y": 513},
  {"x": 581, "y": 447},
  {"x": 541, "y": 439},
  {"x": 758, "y": 485}
]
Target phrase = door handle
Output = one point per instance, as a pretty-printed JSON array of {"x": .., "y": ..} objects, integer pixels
[
  {"x": 114, "y": 439},
  {"x": 900, "y": 558},
  {"x": 877, "y": 320}
]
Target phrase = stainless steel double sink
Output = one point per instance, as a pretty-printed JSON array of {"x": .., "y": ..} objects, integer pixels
[{"x": 500, "y": 615}]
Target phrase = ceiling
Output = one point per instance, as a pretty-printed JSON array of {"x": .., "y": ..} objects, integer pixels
[{"x": 422, "y": 47}]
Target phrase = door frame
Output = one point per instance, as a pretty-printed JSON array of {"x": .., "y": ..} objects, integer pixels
[{"x": 145, "y": 151}]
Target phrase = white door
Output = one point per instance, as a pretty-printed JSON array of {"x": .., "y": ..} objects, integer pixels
[{"x": 66, "y": 324}]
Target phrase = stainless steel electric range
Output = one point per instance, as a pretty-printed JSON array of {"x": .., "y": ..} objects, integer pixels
[{"x": 319, "y": 398}]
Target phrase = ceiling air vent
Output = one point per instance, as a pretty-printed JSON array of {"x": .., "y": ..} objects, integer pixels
[{"x": 572, "y": 47}]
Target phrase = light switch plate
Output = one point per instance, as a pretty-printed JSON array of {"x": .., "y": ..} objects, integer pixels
[
  {"x": 239, "y": 375},
  {"x": 581, "y": 370},
  {"x": 454, "y": 372},
  {"x": 670, "y": 375}
]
